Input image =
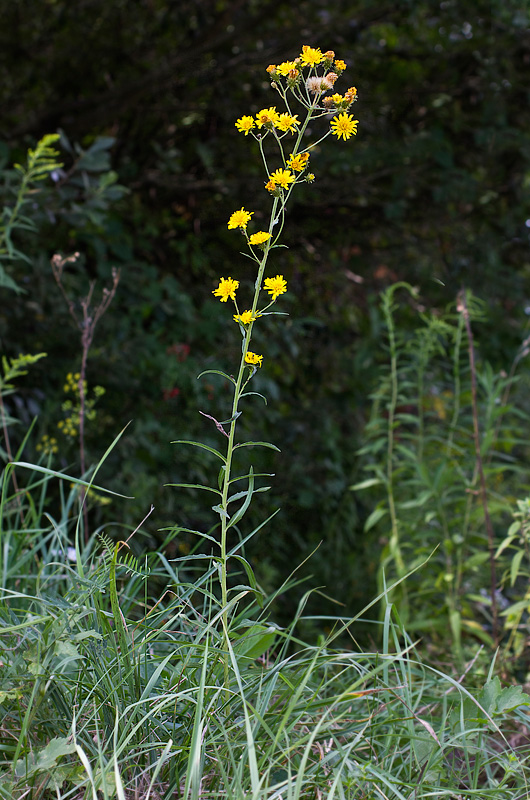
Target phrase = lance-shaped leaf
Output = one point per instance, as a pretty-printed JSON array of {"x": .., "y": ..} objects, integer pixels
[
  {"x": 216, "y": 372},
  {"x": 258, "y": 444},
  {"x": 194, "y": 486},
  {"x": 202, "y": 446}
]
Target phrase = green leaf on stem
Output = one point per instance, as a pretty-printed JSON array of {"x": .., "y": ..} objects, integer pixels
[
  {"x": 193, "y": 486},
  {"x": 204, "y": 447},
  {"x": 258, "y": 444},
  {"x": 246, "y": 394},
  {"x": 216, "y": 372}
]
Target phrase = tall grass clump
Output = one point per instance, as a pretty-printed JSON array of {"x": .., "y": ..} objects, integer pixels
[{"x": 168, "y": 677}]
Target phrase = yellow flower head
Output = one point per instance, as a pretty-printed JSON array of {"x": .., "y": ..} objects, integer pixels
[
  {"x": 271, "y": 68},
  {"x": 344, "y": 125},
  {"x": 239, "y": 219},
  {"x": 246, "y": 317},
  {"x": 253, "y": 358},
  {"x": 337, "y": 99},
  {"x": 259, "y": 238},
  {"x": 267, "y": 116},
  {"x": 298, "y": 162},
  {"x": 245, "y": 124},
  {"x": 275, "y": 286},
  {"x": 285, "y": 68},
  {"x": 351, "y": 94},
  {"x": 271, "y": 186},
  {"x": 286, "y": 122},
  {"x": 227, "y": 288},
  {"x": 340, "y": 65},
  {"x": 311, "y": 56},
  {"x": 282, "y": 177}
]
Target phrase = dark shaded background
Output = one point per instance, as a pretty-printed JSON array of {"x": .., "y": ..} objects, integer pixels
[{"x": 434, "y": 190}]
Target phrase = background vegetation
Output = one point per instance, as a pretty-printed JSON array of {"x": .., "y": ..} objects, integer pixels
[{"x": 434, "y": 192}]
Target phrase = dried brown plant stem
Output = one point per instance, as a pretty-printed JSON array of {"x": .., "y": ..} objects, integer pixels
[
  {"x": 463, "y": 309},
  {"x": 86, "y": 321}
]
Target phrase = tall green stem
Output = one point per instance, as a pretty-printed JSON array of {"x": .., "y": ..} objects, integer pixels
[{"x": 231, "y": 436}]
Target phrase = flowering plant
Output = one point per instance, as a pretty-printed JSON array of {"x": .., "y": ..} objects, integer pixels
[{"x": 307, "y": 80}]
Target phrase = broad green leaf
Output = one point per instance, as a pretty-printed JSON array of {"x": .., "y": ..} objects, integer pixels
[
  {"x": 254, "y": 642},
  {"x": 45, "y": 759}
]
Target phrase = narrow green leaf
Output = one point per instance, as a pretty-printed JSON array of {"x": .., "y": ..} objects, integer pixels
[
  {"x": 54, "y": 474},
  {"x": 247, "y": 394},
  {"x": 202, "y": 446},
  {"x": 194, "y": 486},
  {"x": 239, "y": 513},
  {"x": 516, "y": 563},
  {"x": 366, "y": 484},
  {"x": 221, "y": 511},
  {"x": 244, "y": 493},
  {"x": 216, "y": 372},
  {"x": 258, "y": 444},
  {"x": 256, "y": 475}
]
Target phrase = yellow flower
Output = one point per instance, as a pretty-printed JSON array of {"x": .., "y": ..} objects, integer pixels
[
  {"x": 337, "y": 98},
  {"x": 285, "y": 68},
  {"x": 275, "y": 286},
  {"x": 286, "y": 122},
  {"x": 246, "y": 317},
  {"x": 344, "y": 125},
  {"x": 259, "y": 238},
  {"x": 351, "y": 94},
  {"x": 239, "y": 219},
  {"x": 282, "y": 177},
  {"x": 339, "y": 64},
  {"x": 311, "y": 56},
  {"x": 271, "y": 68},
  {"x": 267, "y": 116},
  {"x": 245, "y": 124},
  {"x": 271, "y": 186},
  {"x": 253, "y": 358},
  {"x": 227, "y": 288},
  {"x": 298, "y": 162}
]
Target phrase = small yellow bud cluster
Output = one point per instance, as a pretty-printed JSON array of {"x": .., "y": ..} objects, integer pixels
[
  {"x": 70, "y": 425},
  {"x": 91, "y": 494},
  {"x": 47, "y": 445}
]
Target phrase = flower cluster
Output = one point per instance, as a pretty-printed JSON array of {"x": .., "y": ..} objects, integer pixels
[
  {"x": 310, "y": 78},
  {"x": 269, "y": 119}
]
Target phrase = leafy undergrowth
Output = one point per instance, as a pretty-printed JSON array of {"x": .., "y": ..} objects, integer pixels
[{"x": 108, "y": 693}]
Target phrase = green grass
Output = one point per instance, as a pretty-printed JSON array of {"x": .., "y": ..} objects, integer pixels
[{"x": 113, "y": 686}]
